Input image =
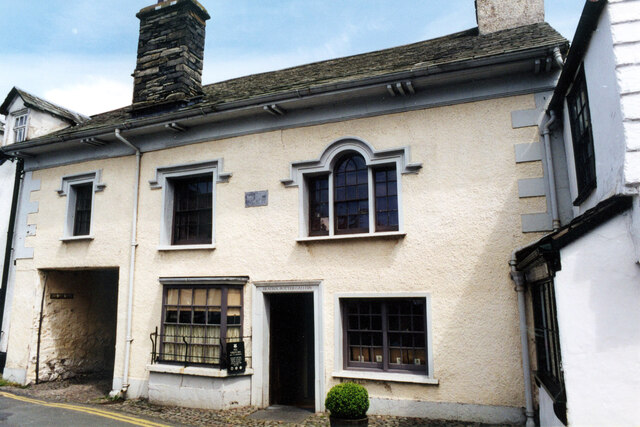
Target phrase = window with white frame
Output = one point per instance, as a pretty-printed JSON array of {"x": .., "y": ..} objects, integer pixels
[
  {"x": 79, "y": 190},
  {"x": 188, "y": 204},
  {"x": 351, "y": 189},
  {"x": 20, "y": 127}
]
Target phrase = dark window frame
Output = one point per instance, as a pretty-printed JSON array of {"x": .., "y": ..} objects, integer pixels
[
  {"x": 314, "y": 207},
  {"x": 204, "y": 232},
  {"x": 385, "y": 332},
  {"x": 549, "y": 371},
  {"x": 224, "y": 324},
  {"x": 82, "y": 209},
  {"x": 582, "y": 137}
]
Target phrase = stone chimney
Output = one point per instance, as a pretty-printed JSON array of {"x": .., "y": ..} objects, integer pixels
[
  {"x": 170, "y": 53},
  {"x": 496, "y": 15}
]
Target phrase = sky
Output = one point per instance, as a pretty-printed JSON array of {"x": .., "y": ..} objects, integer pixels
[{"x": 80, "y": 54}]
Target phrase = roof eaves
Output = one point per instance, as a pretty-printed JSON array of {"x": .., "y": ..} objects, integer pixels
[
  {"x": 578, "y": 227},
  {"x": 586, "y": 26}
]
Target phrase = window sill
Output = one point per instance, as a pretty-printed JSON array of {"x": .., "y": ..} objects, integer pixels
[
  {"x": 381, "y": 235},
  {"x": 386, "y": 376},
  {"x": 76, "y": 238},
  {"x": 197, "y": 371},
  {"x": 208, "y": 247}
]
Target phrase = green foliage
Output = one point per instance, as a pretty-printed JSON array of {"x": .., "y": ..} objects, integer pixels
[
  {"x": 347, "y": 400},
  {"x": 6, "y": 383}
]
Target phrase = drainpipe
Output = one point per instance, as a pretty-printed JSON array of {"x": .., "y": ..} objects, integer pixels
[
  {"x": 558, "y": 57},
  {"x": 552, "y": 178},
  {"x": 518, "y": 280},
  {"x": 132, "y": 262}
]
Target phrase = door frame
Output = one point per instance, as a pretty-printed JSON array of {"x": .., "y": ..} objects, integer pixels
[{"x": 261, "y": 325}]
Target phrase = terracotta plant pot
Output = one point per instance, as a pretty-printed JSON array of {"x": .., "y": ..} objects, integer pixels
[{"x": 343, "y": 422}]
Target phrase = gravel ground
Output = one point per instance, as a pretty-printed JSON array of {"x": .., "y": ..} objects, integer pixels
[{"x": 93, "y": 391}]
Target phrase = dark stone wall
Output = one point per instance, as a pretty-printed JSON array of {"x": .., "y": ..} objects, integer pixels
[{"x": 170, "y": 53}]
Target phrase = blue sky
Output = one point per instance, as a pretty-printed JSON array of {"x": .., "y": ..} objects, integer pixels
[{"x": 80, "y": 53}]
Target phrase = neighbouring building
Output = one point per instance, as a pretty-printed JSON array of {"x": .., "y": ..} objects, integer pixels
[
  {"x": 583, "y": 280},
  {"x": 27, "y": 117},
  {"x": 343, "y": 220}
]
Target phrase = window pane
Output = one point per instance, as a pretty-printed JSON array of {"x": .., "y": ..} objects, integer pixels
[
  {"x": 200, "y": 297},
  {"x": 234, "y": 297},
  {"x": 82, "y": 215},
  {"x": 185, "y": 296},
  {"x": 351, "y": 194},
  {"x": 172, "y": 296},
  {"x": 214, "y": 297},
  {"x": 319, "y": 205},
  {"x": 199, "y": 316},
  {"x": 171, "y": 315},
  {"x": 193, "y": 214}
]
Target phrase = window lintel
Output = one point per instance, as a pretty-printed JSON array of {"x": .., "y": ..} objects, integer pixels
[
  {"x": 81, "y": 178},
  {"x": 208, "y": 280},
  {"x": 334, "y": 150},
  {"x": 212, "y": 166}
]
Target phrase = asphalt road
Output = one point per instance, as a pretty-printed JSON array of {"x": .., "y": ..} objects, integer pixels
[{"x": 22, "y": 411}]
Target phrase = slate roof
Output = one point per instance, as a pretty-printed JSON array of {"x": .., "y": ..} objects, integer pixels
[
  {"x": 448, "y": 50},
  {"x": 33, "y": 101}
]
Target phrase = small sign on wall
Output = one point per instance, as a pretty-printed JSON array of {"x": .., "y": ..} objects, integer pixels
[
  {"x": 236, "y": 362},
  {"x": 256, "y": 198},
  {"x": 61, "y": 296}
]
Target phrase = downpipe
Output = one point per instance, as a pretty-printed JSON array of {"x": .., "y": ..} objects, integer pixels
[
  {"x": 546, "y": 130},
  {"x": 132, "y": 262},
  {"x": 518, "y": 280}
]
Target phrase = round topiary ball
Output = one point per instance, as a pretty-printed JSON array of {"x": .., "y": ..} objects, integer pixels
[{"x": 347, "y": 400}]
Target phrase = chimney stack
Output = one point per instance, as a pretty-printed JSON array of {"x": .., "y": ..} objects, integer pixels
[
  {"x": 497, "y": 15},
  {"x": 170, "y": 53}
]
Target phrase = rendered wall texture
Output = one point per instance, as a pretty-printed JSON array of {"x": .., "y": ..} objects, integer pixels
[{"x": 461, "y": 216}]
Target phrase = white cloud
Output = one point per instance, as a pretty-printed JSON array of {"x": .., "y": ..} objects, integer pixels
[{"x": 92, "y": 96}]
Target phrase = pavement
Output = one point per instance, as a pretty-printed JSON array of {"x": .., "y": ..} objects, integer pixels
[{"x": 91, "y": 394}]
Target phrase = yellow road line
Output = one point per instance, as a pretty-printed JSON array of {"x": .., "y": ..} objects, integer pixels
[{"x": 88, "y": 410}]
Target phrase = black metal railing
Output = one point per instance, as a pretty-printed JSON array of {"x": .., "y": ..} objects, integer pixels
[{"x": 189, "y": 350}]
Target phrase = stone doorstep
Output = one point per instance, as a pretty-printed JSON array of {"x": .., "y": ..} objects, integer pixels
[{"x": 288, "y": 414}]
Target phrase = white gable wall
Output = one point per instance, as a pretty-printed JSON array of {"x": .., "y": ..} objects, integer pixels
[
  {"x": 39, "y": 123},
  {"x": 597, "y": 297},
  {"x": 606, "y": 118}
]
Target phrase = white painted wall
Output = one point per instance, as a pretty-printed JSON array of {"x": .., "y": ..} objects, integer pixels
[
  {"x": 7, "y": 175},
  {"x": 606, "y": 118},
  {"x": 598, "y": 304},
  {"x": 625, "y": 29},
  {"x": 548, "y": 417}
]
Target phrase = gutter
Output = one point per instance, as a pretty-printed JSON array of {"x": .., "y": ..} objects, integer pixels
[
  {"x": 293, "y": 94},
  {"x": 132, "y": 263}
]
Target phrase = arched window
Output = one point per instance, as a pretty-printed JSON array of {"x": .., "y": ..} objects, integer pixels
[
  {"x": 351, "y": 190},
  {"x": 351, "y": 195},
  {"x": 345, "y": 197}
]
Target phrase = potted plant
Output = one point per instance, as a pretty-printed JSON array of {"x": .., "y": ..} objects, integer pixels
[{"x": 348, "y": 404}]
